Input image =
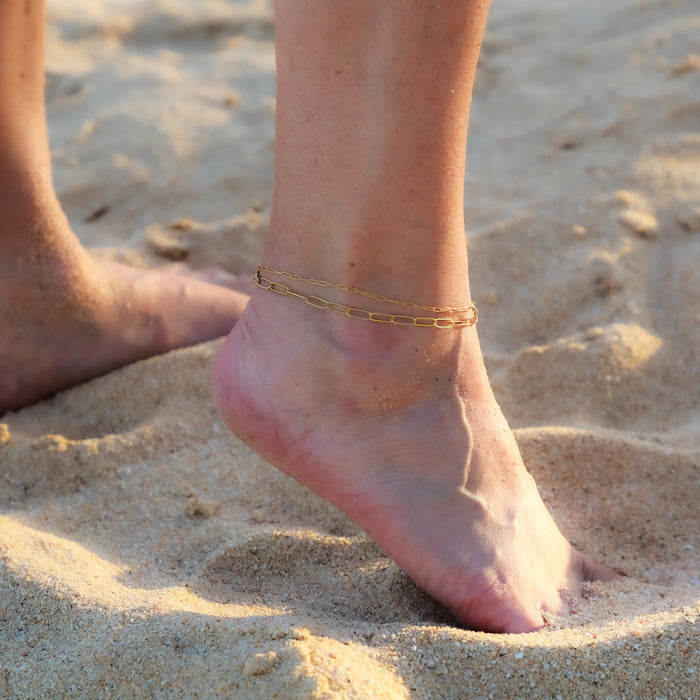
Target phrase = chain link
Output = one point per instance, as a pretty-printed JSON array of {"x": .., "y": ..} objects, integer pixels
[
  {"x": 369, "y": 295},
  {"x": 363, "y": 314}
]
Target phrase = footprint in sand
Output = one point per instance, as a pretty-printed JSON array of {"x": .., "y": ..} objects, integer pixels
[{"x": 343, "y": 577}]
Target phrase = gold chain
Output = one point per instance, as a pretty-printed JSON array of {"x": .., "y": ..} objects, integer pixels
[
  {"x": 363, "y": 314},
  {"x": 369, "y": 295}
]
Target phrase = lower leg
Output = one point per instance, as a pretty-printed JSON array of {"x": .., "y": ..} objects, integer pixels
[
  {"x": 64, "y": 316},
  {"x": 372, "y": 115},
  {"x": 395, "y": 425}
]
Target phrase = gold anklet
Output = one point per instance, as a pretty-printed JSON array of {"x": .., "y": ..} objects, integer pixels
[
  {"x": 369, "y": 295},
  {"x": 363, "y": 314}
]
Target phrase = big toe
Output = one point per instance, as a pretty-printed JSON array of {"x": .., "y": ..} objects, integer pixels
[
  {"x": 524, "y": 622},
  {"x": 512, "y": 618}
]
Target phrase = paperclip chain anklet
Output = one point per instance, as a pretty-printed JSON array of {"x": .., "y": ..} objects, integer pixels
[{"x": 364, "y": 314}]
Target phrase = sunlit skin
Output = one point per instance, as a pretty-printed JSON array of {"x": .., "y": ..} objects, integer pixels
[
  {"x": 397, "y": 426},
  {"x": 65, "y": 316}
]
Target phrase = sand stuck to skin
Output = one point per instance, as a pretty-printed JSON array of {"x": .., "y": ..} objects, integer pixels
[{"x": 145, "y": 552}]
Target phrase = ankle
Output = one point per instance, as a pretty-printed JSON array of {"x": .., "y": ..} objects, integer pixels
[
  {"x": 367, "y": 359},
  {"x": 42, "y": 265},
  {"x": 403, "y": 274},
  {"x": 27, "y": 189},
  {"x": 379, "y": 314}
]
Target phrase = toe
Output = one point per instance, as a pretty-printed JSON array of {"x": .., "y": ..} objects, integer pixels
[
  {"x": 520, "y": 623},
  {"x": 557, "y": 606}
]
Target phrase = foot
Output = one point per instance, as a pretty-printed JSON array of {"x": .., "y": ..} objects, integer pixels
[
  {"x": 398, "y": 427},
  {"x": 66, "y": 317}
]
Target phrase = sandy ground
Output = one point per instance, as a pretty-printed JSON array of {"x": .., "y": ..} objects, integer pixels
[{"x": 144, "y": 552}]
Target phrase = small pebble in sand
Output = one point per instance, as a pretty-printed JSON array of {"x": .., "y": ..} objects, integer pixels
[
  {"x": 200, "y": 509},
  {"x": 171, "y": 244},
  {"x": 629, "y": 199},
  {"x": 605, "y": 274},
  {"x": 593, "y": 333},
  {"x": 233, "y": 99},
  {"x": 260, "y": 664},
  {"x": 642, "y": 223},
  {"x": 689, "y": 219},
  {"x": 688, "y": 64}
]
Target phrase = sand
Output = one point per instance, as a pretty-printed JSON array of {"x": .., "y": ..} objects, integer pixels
[{"x": 146, "y": 553}]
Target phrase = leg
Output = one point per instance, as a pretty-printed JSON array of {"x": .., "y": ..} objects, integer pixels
[
  {"x": 395, "y": 425},
  {"x": 65, "y": 317}
]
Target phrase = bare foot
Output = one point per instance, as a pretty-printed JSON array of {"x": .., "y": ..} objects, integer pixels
[
  {"x": 399, "y": 428},
  {"x": 66, "y": 317}
]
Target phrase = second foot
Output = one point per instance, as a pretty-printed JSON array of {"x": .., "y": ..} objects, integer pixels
[{"x": 77, "y": 318}]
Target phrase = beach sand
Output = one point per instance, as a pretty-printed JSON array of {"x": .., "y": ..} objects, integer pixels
[{"x": 145, "y": 552}]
